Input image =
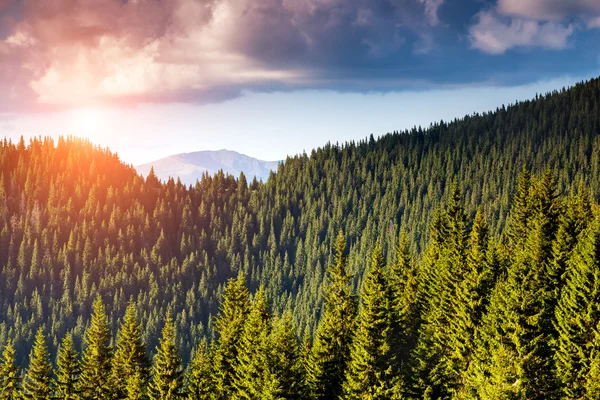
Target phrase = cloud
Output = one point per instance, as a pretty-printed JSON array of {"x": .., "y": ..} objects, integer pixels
[
  {"x": 431, "y": 10},
  {"x": 60, "y": 53},
  {"x": 533, "y": 23},
  {"x": 549, "y": 9},
  {"x": 495, "y": 35}
]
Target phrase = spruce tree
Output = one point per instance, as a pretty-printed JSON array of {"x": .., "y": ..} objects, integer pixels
[
  {"x": 285, "y": 378},
  {"x": 68, "y": 370},
  {"x": 130, "y": 360},
  {"x": 370, "y": 373},
  {"x": 405, "y": 311},
  {"x": 94, "y": 381},
  {"x": 592, "y": 381},
  {"x": 229, "y": 326},
  {"x": 167, "y": 370},
  {"x": 443, "y": 270},
  {"x": 135, "y": 386},
  {"x": 199, "y": 375},
  {"x": 10, "y": 380},
  {"x": 577, "y": 315},
  {"x": 514, "y": 357},
  {"x": 252, "y": 358},
  {"x": 38, "y": 379},
  {"x": 470, "y": 301},
  {"x": 330, "y": 352}
]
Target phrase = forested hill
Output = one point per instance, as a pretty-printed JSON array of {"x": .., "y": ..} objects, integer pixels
[{"x": 75, "y": 222}]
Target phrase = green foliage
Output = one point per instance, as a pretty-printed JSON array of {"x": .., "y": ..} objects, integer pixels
[
  {"x": 94, "y": 381},
  {"x": 516, "y": 341},
  {"x": 252, "y": 358},
  {"x": 330, "y": 352},
  {"x": 38, "y": 379},
  {"x": 577, "y": 315},
  {"x": 370, "y": 373},
  {"x": 230, "y": 326},
  {"x": 167, "y": 371},
  {"x": 130, "y": 363},
  {"x": 68, "y": 370},
  {"x": 10, "y": 381},
  {"x": 200, "y": 374},
  {"x": 285, "y": 374}
]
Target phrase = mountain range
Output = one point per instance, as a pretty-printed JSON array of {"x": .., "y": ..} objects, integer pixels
[{"x": 189, "y": 167}]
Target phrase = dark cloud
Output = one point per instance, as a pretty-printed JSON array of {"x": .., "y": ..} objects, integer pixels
[
  {"x": 59, "y": 53},
  {"x": 64, "y": 52}
]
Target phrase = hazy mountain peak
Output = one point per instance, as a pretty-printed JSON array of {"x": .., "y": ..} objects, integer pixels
[{"x": 189, "y": 167}]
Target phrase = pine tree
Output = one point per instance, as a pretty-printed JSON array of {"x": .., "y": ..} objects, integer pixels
[
  {"x": 252, "y": 358},
  {"x": 167, "y": 370},
  {"x": 521, "y": 210},
  {"x": 405, "y": 312},
  {"x": 199, "y": 377},
  {"x": 370, "y": 373},
  {"x": 443, "y": 270},
  {"x": 577, "y": 315},
  {"x": 471, "y": 298},
  {"x": 513, "y": 353},
  {"x": 331, "y": 348},
  {"x": 574, "y": 219},
  {"x": 68, "y": 370},
  {"x": 285, "y": 378},
  {"x": 38, "y": 379},
  {"x": 10, "y": 380},
  {"x": 135, "y": 386},
  {"x": 592, "y": 381},
  {"x": 94, "y": 381},
  {"x": 130, "y": 360},
  {"x": 229, "y": 326}
]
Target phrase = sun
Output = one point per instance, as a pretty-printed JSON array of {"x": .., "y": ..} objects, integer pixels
[{"x": 88, "y": 123}]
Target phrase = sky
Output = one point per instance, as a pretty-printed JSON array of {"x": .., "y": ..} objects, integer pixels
[{"x": 270, "y": 78}]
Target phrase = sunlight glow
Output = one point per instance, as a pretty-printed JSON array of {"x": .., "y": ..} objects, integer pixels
[{"x": 88, "y": 122}]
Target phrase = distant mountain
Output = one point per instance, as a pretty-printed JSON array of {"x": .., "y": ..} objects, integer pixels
[{"x": 189, "y": 167}]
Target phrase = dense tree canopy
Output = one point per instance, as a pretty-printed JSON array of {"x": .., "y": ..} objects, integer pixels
[{"x": 497, "y": 301}]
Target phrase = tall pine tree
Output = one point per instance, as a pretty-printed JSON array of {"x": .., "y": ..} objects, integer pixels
[
  {"x": 285, "y": 374},
  {"x": 229, "y": 326},
  {"x": 68, "y": 369},
  {"x": 10, "y": 380},
  {"x": 94, "y": 382},
  {"x": 130, "y": 360},
  {"x": 37, "y": 384},
  {"x": 167, "y": 370},
  {"x": 331, "y": 348},
  {"x": 199, "y": 375},
  {"x": 251, "y": 366},
  {"x": 370, "y": 373},
  {"x": 577, "y": 315}
]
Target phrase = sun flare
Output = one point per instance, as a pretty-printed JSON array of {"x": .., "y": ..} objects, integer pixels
[{"x": 88, "y": 123}]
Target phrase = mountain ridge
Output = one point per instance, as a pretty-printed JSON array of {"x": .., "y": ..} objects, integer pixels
[{"x": 189, "y": 167}]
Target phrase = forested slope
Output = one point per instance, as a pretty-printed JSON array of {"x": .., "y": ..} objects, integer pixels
[{"x": 76, "y": 222}]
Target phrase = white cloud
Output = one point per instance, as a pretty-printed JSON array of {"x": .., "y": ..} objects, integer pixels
[
  {"x": 495, "y": 35},
  {"x": 549, "y": 9},
  {"x": 532, "y": 23},
  {"x": 431, "y": 10}
]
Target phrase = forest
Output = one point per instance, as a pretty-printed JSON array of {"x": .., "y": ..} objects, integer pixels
[{"x": 454, "y": 261}]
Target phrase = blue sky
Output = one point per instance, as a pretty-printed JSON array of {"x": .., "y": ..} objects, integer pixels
[{"x": 268, "y": 78}]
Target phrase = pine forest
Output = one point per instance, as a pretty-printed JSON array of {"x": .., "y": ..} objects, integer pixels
[{"x": 455, "y": 261}]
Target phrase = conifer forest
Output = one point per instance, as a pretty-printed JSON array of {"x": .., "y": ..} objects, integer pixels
[{"x": 455, "y": 261}]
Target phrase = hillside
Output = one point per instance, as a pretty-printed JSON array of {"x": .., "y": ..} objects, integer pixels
[
  {"x": 76, "y": 223},
  {"x": 189, "y": 167}
]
